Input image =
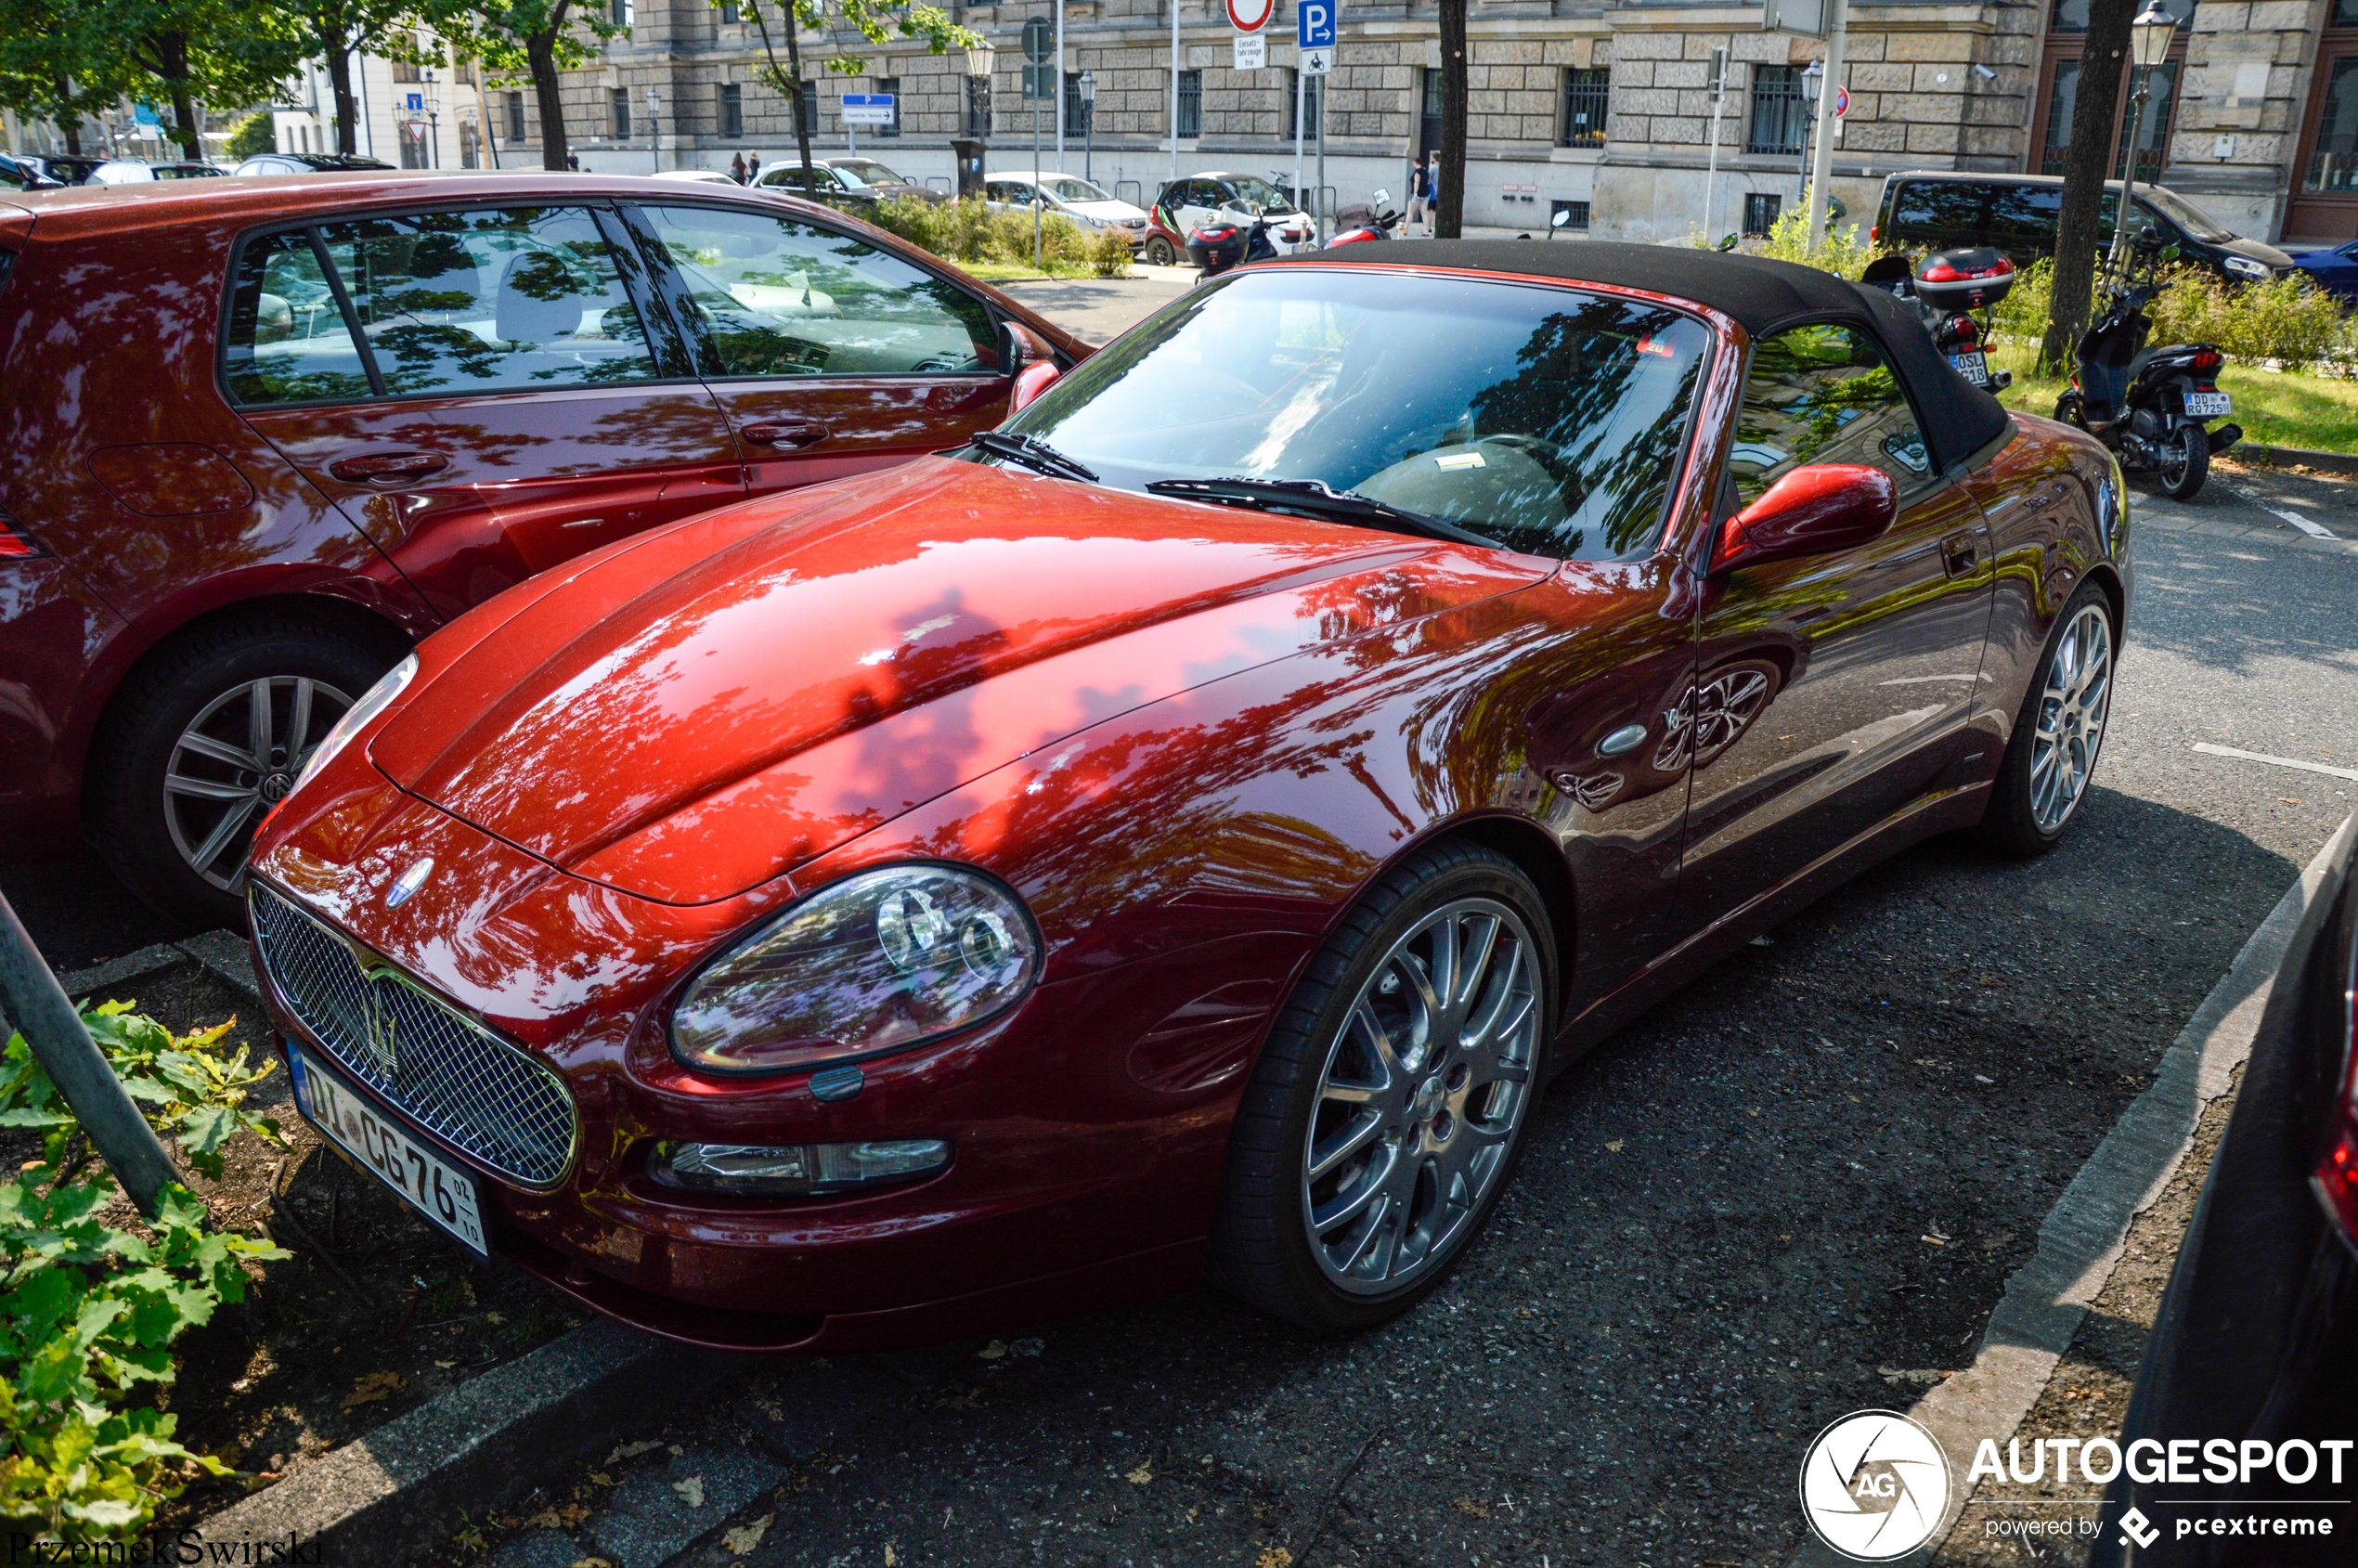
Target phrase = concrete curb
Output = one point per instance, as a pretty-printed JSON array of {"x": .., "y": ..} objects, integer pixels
[
  {"x": 222, "y": 954},
  {"x": 2081, "y": 1239},
  {"x": 400, "y": 1490},
  {"x": 2284, "y": 457}
]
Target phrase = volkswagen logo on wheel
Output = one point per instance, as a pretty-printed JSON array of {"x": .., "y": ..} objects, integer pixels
[{"x": 1874, "y": 1485}]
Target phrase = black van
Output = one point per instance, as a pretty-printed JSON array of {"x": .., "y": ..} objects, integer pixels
[{"x": 1932, "y": 210}]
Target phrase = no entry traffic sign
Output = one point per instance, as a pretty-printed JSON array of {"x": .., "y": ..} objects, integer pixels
[{"x": 1250, "y": 16}]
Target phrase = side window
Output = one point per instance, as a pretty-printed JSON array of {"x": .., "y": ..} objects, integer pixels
[
  {"x": 1823, "y": 393},
  {"x": 287, "y": 340},
  {"x": 2023, "y": 217},
  {"x": 511, "y": 300},
  {"x": 774, "y": 296},
  {"x": 1930, "y": 208}
]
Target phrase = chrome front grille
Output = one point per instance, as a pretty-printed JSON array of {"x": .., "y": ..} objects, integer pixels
[{"x": 453, "y": 1077}]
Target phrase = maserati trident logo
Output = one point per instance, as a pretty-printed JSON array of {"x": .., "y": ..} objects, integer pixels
[
  {"x": 407, "y": 883},
  {"x": 383, "y": 1041}
]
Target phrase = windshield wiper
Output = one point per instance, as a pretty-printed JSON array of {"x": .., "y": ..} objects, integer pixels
[
  {"x": 1311, "y": 498},
  {"x": 1032, "y": 452}
]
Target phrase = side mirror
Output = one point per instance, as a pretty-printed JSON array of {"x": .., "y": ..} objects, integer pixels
[
  {"x": 1562, "y": 215},
  {"x": 1033, "y": 362},
  {"x": 1812, "y": 511}
]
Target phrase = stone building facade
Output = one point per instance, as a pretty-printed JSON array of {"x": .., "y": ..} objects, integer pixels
[{"x": 1600, "y": 107}]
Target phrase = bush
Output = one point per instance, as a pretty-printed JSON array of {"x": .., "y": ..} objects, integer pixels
[
  {"x": 1110, "y": 254},
  {"x": 256, "y": 134},
  {"x": 2287, "y": 320},
  {"x": 970, "y": 231},
  {"x": 88, "y": 1312},
  {"x": 1841, "y": 251}
]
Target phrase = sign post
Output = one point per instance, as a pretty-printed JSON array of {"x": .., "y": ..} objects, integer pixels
[
  {"x": 1718, "y": 84},
  {"x": 1039, "y": 81},
  {"x": 1088, "y": 125},
  {"x": 1315, "y": 35}
]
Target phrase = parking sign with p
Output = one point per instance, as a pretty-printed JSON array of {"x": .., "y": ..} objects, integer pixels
[{"x": 1314, "y": 24}]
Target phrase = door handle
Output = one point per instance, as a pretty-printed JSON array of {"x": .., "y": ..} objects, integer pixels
[
  {"x": 786, "y": 432},
  {"x": 378, "y": 468},
  {"x": 1957, "y": 552}
]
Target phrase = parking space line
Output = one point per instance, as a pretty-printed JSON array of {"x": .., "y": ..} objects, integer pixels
[
  {"x": 2081, "y": 1239},
  {"x": 2315, "y": 530},
  {"x": 2209, "y": 750}
]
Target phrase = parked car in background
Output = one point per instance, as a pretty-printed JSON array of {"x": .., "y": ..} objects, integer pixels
[
  {"x": 1184, "y": 204},
  {"x": 131, "y": 171},
  {"x": 1068, "y": 196},
  {"x": 310, "y": 163},
  {"x": 695, "y": 176},
  {"x": 66, "y": 168},
  {"x": 320, "y": 418},
  {"x": 848, "y": 183},
  {"x": 1049, "y": 875},
  {"x": 2256, "y": 1339},
  {"x": 1934, "y": 209},
  {"x": 2336, "y": 270},
  {"x": 24, "y": 174}
]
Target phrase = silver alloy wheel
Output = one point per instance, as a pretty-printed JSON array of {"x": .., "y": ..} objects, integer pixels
[
  {"x": 2072, "y": 708},
  {"x": 2179, "y": 456},
  {"x": 237, "y": 757},
  {"x": 1423, "y": 1092}
]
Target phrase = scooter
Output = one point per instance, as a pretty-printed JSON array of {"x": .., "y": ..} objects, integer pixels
[
  {"x": 1359, "y": 223},
  {"x": 2151, "y": 406},
  {"x": 1946, "y": 289},
  {"x": 1233, "y": 236}
]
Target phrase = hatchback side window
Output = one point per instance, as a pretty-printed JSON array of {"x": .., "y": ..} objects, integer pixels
[
  {"x": 521, "y": 299},
  {"x": 288, "y": 341},
  {"x": 773, "y": 296},
  {"x": 1823, "y": 393}
]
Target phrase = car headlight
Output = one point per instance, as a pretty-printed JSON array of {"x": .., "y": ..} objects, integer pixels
[
  {"x": 372, "y": 702},
  {"x": 885, "y": 959},
  {"x": 2243, "y": 267}
]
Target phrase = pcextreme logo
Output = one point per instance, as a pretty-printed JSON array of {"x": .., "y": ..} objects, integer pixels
[{"x": 1874, "y": 1485}]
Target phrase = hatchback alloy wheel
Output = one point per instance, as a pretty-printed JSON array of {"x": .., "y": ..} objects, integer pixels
[
  {"x": 237, "y": 757},
  {"x": 2072, "y": 709}
]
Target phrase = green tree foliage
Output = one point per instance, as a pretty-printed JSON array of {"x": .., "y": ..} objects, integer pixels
[
  {"x": 224, "y": 52},
  {"x": 55, "y": 59},
  {"x": 532, "y": 41},
  {"x": 255, "y": 134},
  {"x": 334, "y": 31},
  {"x": 88, "y": 1312},
  {"x": 878, "y": 21}
]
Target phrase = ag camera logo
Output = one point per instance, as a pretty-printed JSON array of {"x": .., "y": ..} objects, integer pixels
[{"x": 1874, "y": 1485}]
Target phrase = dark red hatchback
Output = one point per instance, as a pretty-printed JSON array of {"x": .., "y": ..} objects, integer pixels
[{"x": 263, "y": 435}]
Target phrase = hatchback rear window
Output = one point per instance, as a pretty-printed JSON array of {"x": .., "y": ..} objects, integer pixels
[
  {"x": 287, "y": 340},
  {"x": 1945, "y": 206}
]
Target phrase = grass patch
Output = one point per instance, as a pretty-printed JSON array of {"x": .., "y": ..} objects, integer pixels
[
  {"x": 2276, "y": 408},
  {"x": 1019, "y": 272}
]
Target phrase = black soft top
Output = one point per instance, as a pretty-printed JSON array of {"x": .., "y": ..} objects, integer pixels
[{"x": 1761, "y": 296}]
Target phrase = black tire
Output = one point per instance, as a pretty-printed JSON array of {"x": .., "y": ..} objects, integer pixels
[
  {"x": 131, "y": 823},
  {"x": 1262, "y": 1241},
  {"x": 2185, "y": 462},
  {"x": 2011, "y": 825},
  {"x": 2070, "y": 410},
  {"x": 1160, "y": 252}
]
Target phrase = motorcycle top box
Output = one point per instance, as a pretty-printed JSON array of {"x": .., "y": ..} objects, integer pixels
[{"x": 1966, "y": 280}]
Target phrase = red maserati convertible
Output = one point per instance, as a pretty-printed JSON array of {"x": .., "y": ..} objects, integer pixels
[{"x": 1179, "y": 833}]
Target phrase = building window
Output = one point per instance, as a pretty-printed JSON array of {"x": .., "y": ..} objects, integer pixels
[
  {"x": 1579, "y": 211},
  {"x": 621, "y": 11},
  {"x": 891, "y": 87},
  {"x": 732, "y": 111},
  {"x": 1429, "y": 120},
  {"x": 1190, "y": 105},
  {"x": 1760, "y": 211},
  {"x": 1585, "y": 93},
  {"x": 1301, "y": 107},
  {"x": 1780, "y": 114},
  {"x": 1072, "y": 103},
  {"x": 808, "y": 100},
  {"x": 729, "y": 12},
  {"x": 515, "y": 117},
  {"x": 621, "y": 113},
  {"x": 406, "y": 71}
]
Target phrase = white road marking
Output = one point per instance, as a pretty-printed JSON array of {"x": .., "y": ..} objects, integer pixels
[
  {"x": 2081, "y": 1239},
  {"x": 2315, "y": 530},
  {"x": 2206, "y": 747}
]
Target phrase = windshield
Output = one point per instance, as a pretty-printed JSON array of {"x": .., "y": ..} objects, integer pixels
[
  {"x": 1064, "y": 187},
  {"x": 1549, "y": 420},
  {"x": 866, "y": 170},
  {"x": 1260, "y": 195},
  {"x": 2187, "y": 216}
]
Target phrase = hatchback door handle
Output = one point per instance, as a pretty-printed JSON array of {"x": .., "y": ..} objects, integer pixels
[
  {"x": 378, "y": 468},
  {"x": 786, "y": 432},
  {"x": 1957, "y": 554}
]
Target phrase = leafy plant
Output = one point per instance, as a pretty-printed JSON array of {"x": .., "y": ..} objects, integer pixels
[
  {"x": 1110, "y": 254},
  {"x": 1840, "y": 252},
  {"x": 88, "y": 1311},
  {"x": 969, "y": 231},
  {"x": 255, "y": 135}
]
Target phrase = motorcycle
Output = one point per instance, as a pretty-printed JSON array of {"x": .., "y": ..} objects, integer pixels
[
  {"x": 1360, "y": 222},
  {"x": 1235, "y": 235},
  {"x": 1946, "y": 289},
  {"x": 2151, "y": 406}
]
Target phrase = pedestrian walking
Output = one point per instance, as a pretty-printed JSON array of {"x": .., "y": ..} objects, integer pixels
[
  {"x": 737, "y": 168},
  {"x": 753, "y": 168},
  {"x": 1432, "y": 198},
  {"x": 1419, "y": 180}
]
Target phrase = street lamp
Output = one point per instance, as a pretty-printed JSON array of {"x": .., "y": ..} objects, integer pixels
[
  {"x": 1088, "y": 125},
  {"x": 654, "y": 125},
  {"x": 433, "y": 118},
  {"x": 2149, "y": 37},
  {"x": 1813, "y": 87}
]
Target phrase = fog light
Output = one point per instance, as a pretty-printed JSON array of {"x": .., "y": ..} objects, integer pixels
[{"x": 793, "y": 1169}]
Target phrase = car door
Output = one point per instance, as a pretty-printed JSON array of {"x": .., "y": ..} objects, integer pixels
[
  {"x": 1832, "y": 692},
  {"x": 829, "y": 355},
  {"x": 505, "y": 406}
]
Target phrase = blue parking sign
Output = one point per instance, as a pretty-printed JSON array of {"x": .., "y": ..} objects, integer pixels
[{"x": 1314, "y": 24}]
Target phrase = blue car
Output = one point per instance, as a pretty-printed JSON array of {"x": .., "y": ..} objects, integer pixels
[{"x": 2336, "y": 270}]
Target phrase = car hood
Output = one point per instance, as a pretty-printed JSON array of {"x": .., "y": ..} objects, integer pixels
[
  {"x": 2257, "y": 251},
  {"x": 698, "y": 712},
  {"x": 1107, "y": 211}
]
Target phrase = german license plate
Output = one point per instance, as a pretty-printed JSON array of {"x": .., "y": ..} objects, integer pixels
[
  {"x": 1972, "y": 367},
  {"x": 2207, "y": 404},
  {"x": 440, "y": 1191}
]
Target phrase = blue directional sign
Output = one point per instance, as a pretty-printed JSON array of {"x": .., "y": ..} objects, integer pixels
[
  {"x": 867, "y": 108},
  {"x": 1314, "y": 24}
]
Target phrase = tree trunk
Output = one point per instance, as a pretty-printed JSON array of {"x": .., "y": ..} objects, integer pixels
[
  {"x": 1449, "y": 212},
  {"x": 541, "y": 48},
  {"x": 801, "y": 127},
  {"x": 68, "y": 118},
  {"x": 2095, "y": 122},
  {"x": 184, "y": 114},
  {"x": 347, "y": 109}
]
